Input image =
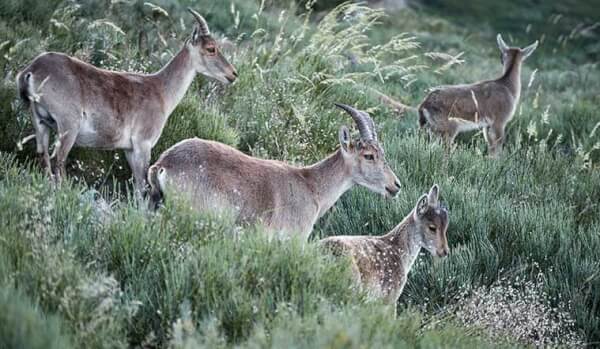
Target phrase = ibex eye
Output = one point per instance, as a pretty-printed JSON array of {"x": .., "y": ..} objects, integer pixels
[
  {"x": 211, "y": 50},
  {"x": 369, "y": 157},
  {"x": 432, "y": 227}
]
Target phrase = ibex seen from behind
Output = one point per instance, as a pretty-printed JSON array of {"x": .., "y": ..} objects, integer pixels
[
  {"x": 449, "y": 110},
  {"x": 380, "y": 264},
  {"x": 97, "y": 108},
  {"x": 286, "y": 199}
]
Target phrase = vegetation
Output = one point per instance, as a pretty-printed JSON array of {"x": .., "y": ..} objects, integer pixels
[{"x": 75, "y": 273}]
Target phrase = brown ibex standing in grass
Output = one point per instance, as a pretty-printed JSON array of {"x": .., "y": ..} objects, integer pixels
[
  {"x": 286, "y": 199},
  {"x": 97, "y": 108},
  {"x": 449, "y": 110},
  {"x": 380, "y": 264}
]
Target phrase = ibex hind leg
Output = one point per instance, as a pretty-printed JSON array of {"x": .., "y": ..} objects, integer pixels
[
  {"x": 42, "y": 138},
  {"x": 447, "y": 131},
  {"x": 495, "y": 139},
  {"x": 66, "y": 140}
]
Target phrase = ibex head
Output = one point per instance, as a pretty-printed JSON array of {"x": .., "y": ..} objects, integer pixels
[
  {"x": 206, "y": 55},
  {"x": 432, "y": 223},
  {"x": 509, "y": 54},
  {"x": 365, "y": 157}
]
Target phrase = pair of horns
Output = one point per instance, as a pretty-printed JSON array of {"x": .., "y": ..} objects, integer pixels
[
  {"x": 366, "y": 126},
  {"x": 202, "y": 26}
]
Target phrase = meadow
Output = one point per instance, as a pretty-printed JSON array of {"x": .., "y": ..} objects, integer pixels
[{"x": 524, "y": 234}]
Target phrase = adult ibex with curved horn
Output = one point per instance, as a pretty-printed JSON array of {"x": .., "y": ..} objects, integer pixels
[
  {"x": 97, "y": 108},
  {"x": 286, "y": 199}
]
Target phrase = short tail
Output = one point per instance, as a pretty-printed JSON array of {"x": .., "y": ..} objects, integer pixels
[
  {"x": 424, "y": 117},
  {"x": 24, "y": 85},
  {"x": 156, "y": 194},
  {"x": 25, "y": 88}
]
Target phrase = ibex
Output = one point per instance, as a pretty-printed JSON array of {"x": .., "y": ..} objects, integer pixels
[
  {"x": 286, "y": 199},
  {"x": 380, "y": 264},
  {"x": 449, "y": 110},
  {"x": 97, "y": 108}
]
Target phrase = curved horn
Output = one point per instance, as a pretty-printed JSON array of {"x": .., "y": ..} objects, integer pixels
[
  {"x": 364, "y": 127},
  {"x": 201, "y": 22},
  {"x": 371, "y": 124}
]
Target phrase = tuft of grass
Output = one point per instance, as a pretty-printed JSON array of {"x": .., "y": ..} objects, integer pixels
[{"x": 23, "y": 325}]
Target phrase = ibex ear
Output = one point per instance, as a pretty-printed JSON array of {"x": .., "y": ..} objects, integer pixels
[
  {"x": 527, "y": 51},
  {"x": 422, "y": 205},
  {"x": 432, "y": 197},
  {"x": 344, "y": 136},
  {"x": 501, "y": 44}
]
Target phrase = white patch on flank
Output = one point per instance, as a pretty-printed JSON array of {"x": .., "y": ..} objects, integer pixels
[
  {"x": 467, "y": 125},
  {"x": 87, "y": 131}
]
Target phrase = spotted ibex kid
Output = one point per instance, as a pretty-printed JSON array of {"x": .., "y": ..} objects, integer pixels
[{"x": 380, "y": 264}]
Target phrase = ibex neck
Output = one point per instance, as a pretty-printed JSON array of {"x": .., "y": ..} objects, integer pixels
[
  {"x": 406, "y": 241},
  {"x": 512, "y": 77},
  {"x": 175, "y": 78},
  {"x": 329, "y": 180}
]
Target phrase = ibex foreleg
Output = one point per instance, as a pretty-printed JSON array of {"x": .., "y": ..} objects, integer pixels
[{"x": 139, "y": 161}]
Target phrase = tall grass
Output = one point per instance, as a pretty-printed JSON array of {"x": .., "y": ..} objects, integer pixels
[{"x": 183, "y": 278}]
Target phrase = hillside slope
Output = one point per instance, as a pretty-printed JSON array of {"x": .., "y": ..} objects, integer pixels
[{"x": 525, "y": 249}]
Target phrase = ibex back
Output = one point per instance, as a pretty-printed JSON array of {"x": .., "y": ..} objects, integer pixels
[
  {"x": 97, "y": 108},
  {"x": 286, "y": 199}
]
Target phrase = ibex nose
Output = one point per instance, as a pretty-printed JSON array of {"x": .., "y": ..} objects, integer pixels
[
  {"x": 397, "y": 184},
  {"x": 443, "y": 252},
  {"x": 232, "y": 76},
  {"x": 392, "y": 192}
]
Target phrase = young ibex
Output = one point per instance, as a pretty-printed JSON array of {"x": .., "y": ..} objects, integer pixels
[
  {"x": 286, "y": 199},
  {"x": 380, "y": 264},
  {"x": 449, "y": 110},
  {"x": 97, "y": 108}
]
